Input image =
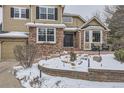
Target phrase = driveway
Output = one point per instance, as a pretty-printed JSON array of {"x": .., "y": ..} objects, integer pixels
[{"x": 7, "y": 80}]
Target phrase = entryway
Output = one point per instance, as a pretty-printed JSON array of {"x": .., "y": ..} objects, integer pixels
[{"x": 68, "y": 39}]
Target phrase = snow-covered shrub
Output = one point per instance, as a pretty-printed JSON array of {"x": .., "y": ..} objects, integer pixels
[
  {"x": 119, "y": 55},
  {"x": 37, "y": 82},
  {"x": 73, "y": 56},
  {"x": 97, "y": 58},
  {"x": 25, "y": 54}
]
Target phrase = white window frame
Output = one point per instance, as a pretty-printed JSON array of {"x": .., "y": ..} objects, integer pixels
[
  {"x": 68, "y": 22},
  {"x": 91, "y": 38},
  {"x": 47, "y": 7},
  {"x": 52, "y": 42},
  {"x": 20, "y": 17}
]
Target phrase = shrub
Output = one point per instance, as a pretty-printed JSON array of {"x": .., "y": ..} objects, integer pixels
[
  {"x": 73, "y": 56},
  {"x": 25, "y": 54},
  {"x": 119, "y": 55},
  {"x": 97, "y": 58}
]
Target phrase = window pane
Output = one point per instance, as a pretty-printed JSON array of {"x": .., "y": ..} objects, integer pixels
[
  {"x": 50, "y": 31},
  {"x": 67, "y": 19},
  {"x": 50, "y": 38},
  {"x": 42, "y": 16},
  {"x": 87, "y": 36},
  {"x": 51, "y": 11},
  {"x": 96, "y": 36},
  {"x": 23, "y": 13},
  {"x": 16, "y": 12},
  {"x": 42, "y": 13},
  {"x": 42, "y": 35},
  {"x": 50, "y": 34},
  {"x": 42, "y": 38},
  {"x": 51, "y": 16},
  {"x": 42, "y": 10}
]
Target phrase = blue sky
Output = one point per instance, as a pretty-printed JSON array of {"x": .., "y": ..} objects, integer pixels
[{"x": 86, "y": 11}]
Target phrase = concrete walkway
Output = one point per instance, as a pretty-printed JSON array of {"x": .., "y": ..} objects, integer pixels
[{"x": 7, "y": 80}]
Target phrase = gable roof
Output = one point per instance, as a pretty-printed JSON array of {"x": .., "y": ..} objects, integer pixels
[
  {"x": 73, "y": 15},
  {"x": 98, "y": 20}
]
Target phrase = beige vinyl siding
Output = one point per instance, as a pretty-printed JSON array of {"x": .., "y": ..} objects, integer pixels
[
  {"x": 46, "y": 20},
  {"x": 7, "y": 47},
  {"x": 11, "y": 24},
  {"x": 94, "y": 22},
  {"x": 77, "y": 22}
]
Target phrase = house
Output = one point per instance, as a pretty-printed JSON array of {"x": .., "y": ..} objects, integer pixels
[{"x": 49, "y": 29}]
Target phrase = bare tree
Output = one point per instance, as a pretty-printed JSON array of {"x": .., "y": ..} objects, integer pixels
[
  {"x": 97, "y": 14},
  {"x": 108, "y": 12},
  {"x": 25, "y": 54}
]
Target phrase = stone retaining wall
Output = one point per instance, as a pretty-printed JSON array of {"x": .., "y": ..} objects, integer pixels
[
  {"x": 64, "y": 73},
  {"x": 92, "y": 74},
  {"x": 106, "y": 75}
]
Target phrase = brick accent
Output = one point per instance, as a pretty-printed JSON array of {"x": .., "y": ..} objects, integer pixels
[{"x": 46, "y": 48}]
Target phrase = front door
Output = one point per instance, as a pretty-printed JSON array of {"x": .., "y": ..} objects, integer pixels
[{"x": 68, "y": 39}]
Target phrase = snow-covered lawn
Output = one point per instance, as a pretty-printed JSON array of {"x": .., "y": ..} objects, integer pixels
[
  {"x": 81, "y": 64},
  {"x": 27, "y": 75}
]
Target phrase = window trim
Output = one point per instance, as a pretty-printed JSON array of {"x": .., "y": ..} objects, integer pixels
[
  {"x": 20, "y": 8},
  {"x": 47, "y": 12},
  {"x": 70, "y": 17},
  {"x": 50, "y": 42}
]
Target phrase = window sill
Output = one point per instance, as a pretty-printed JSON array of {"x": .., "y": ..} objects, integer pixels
[
  {"x": 38, "y": 42},
  {"x": 47, "y": 19},
  {"x": 19, "y": 18}
]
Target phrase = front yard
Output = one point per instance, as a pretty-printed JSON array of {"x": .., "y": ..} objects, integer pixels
[
  {"x": 81, "y": 64},
  {"x": 30, "y": 77}
]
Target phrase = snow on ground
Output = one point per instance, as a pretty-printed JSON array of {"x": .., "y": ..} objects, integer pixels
[
  {"x": 57, "y": 63},
  {"x": 108, "y": 62},
  {"x": 81, "y": 64},
  {"x": 60, "y": 82}
]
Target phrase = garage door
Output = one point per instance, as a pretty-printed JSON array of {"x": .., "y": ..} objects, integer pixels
[{"x": 7, "y": 49}]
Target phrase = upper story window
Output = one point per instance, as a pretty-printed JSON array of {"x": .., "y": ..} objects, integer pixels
[
  {"x": 68, "y": 19},
  {"x": 46, "y": 35},
  {"x": 44, "y": 12},
  {"x": 19, "y": 13}
]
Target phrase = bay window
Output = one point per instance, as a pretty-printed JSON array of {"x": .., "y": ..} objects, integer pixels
[
  {"x": 96, "y": 36},
  {"x": 46, "y": 35},
  {"x": 87, "y": 36}
]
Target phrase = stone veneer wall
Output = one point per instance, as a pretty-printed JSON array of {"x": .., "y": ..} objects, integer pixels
[
  {"x": 92, "y": 74},
  {"x": 106, "y": 75},
  {"x": 46, "y": 48},
  {"x": 64, "y": 73}
]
